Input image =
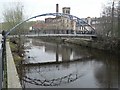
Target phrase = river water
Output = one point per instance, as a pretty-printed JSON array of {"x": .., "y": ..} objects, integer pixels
[{"x": 62, "y": 65}]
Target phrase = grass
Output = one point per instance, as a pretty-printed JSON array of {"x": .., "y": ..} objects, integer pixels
[{"x": 16, "y": 56}]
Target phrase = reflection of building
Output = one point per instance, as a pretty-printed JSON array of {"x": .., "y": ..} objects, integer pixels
[
  {"x": 50, "y": 47},
  {"x": 62, "y": 51},
  {"x": 66, "y": 53}
]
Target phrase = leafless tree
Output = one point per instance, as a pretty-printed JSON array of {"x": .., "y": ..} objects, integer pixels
[
  {"x": 110, "y": 20},
  {"x": 12, "y": 16}
]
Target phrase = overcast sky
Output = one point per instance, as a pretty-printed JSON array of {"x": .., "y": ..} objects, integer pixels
[{"x": 79, "y": 8}]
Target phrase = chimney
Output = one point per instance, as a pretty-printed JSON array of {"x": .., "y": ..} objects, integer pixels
[{"x": 57, "y": 8}]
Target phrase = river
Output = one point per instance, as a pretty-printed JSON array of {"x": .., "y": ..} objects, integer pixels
[{"x": 61, "y": 65}]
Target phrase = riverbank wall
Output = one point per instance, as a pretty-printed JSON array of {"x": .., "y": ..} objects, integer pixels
[
  {"x": 107, "y": 44},
  {"x": 110, "y": 44}
]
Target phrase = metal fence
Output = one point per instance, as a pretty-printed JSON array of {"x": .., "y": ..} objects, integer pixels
[{"x": 4, "y": 73}]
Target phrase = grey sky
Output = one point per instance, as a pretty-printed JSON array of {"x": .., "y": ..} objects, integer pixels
[{"x": 80, "y": 8}]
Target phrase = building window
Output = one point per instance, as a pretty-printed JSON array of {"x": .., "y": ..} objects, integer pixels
[{"x": 68, "y": 12}]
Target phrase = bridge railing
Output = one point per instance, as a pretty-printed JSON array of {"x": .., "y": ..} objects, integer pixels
[
  {"x": 38, "y": 31},
  {"x": 4, "y": 70}
]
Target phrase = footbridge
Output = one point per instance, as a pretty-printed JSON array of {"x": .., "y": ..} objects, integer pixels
[{"x": 8, "y": 68}]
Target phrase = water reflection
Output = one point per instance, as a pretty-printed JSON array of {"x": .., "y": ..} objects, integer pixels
[
  {"x": 107, "y": 74},
  {"x": 99, "y": 70},
  {"x": 40, "y": 52}
]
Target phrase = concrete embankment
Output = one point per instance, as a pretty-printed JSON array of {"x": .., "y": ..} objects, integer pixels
[
  {"x": 110, "y": 45},
  {"x": 12, "y": 75}
]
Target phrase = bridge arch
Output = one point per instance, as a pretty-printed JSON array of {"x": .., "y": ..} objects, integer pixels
[{"x": 79, "y": 21}]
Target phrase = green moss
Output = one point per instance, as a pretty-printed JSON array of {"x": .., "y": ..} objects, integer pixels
[{"x": 17, "y": 58}]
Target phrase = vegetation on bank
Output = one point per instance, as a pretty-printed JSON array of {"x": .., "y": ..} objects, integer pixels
[
  {"x": 17, "y": 50},
  {"x": 111, "y": 45}
]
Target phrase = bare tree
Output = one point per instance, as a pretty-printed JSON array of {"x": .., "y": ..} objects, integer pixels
[
  {"x": 13, "y": 16},
  {"x": 109, "y": 20},
  {"x": 119, "y": 19},
  {"x": 105, "y": 21}
]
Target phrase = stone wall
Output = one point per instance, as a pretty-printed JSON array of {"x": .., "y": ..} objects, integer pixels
[{"x": 109, "y": 44}]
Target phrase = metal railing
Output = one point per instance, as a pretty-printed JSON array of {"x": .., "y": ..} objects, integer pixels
[{"x": 4, "y": 71}]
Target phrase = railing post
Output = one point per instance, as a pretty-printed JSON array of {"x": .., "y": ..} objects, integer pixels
[{"x": 3, "y": 59}]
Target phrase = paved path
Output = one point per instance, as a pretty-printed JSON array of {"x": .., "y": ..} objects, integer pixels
[{"x": 12, "y": 75}]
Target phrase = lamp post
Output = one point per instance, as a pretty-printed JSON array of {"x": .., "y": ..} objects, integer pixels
[
  {"x": 119, "y": 19},
  {"x": 112, "y": 21}
]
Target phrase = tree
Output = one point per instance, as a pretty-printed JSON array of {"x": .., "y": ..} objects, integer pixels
[
  {"x": 105, "y": 21},
  {"x": 119, "y": 19},
  {"x": 13, "y": 16},
  {"x": 110, "y": 20}
]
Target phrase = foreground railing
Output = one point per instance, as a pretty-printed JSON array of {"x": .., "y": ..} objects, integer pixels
[{"x": 4, "y": 70}]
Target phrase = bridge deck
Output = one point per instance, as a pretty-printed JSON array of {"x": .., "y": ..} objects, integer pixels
[
  {"x": 64, "y": 35},
  {"x": 57, "y": 35}
]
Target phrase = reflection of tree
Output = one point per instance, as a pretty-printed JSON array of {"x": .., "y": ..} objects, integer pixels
[
  {"x": 119, "y": 75},
  {"x": 21, "y": 72},
  {"x": 107, "y": 74},
  {"x": 49, "y": 47}
]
